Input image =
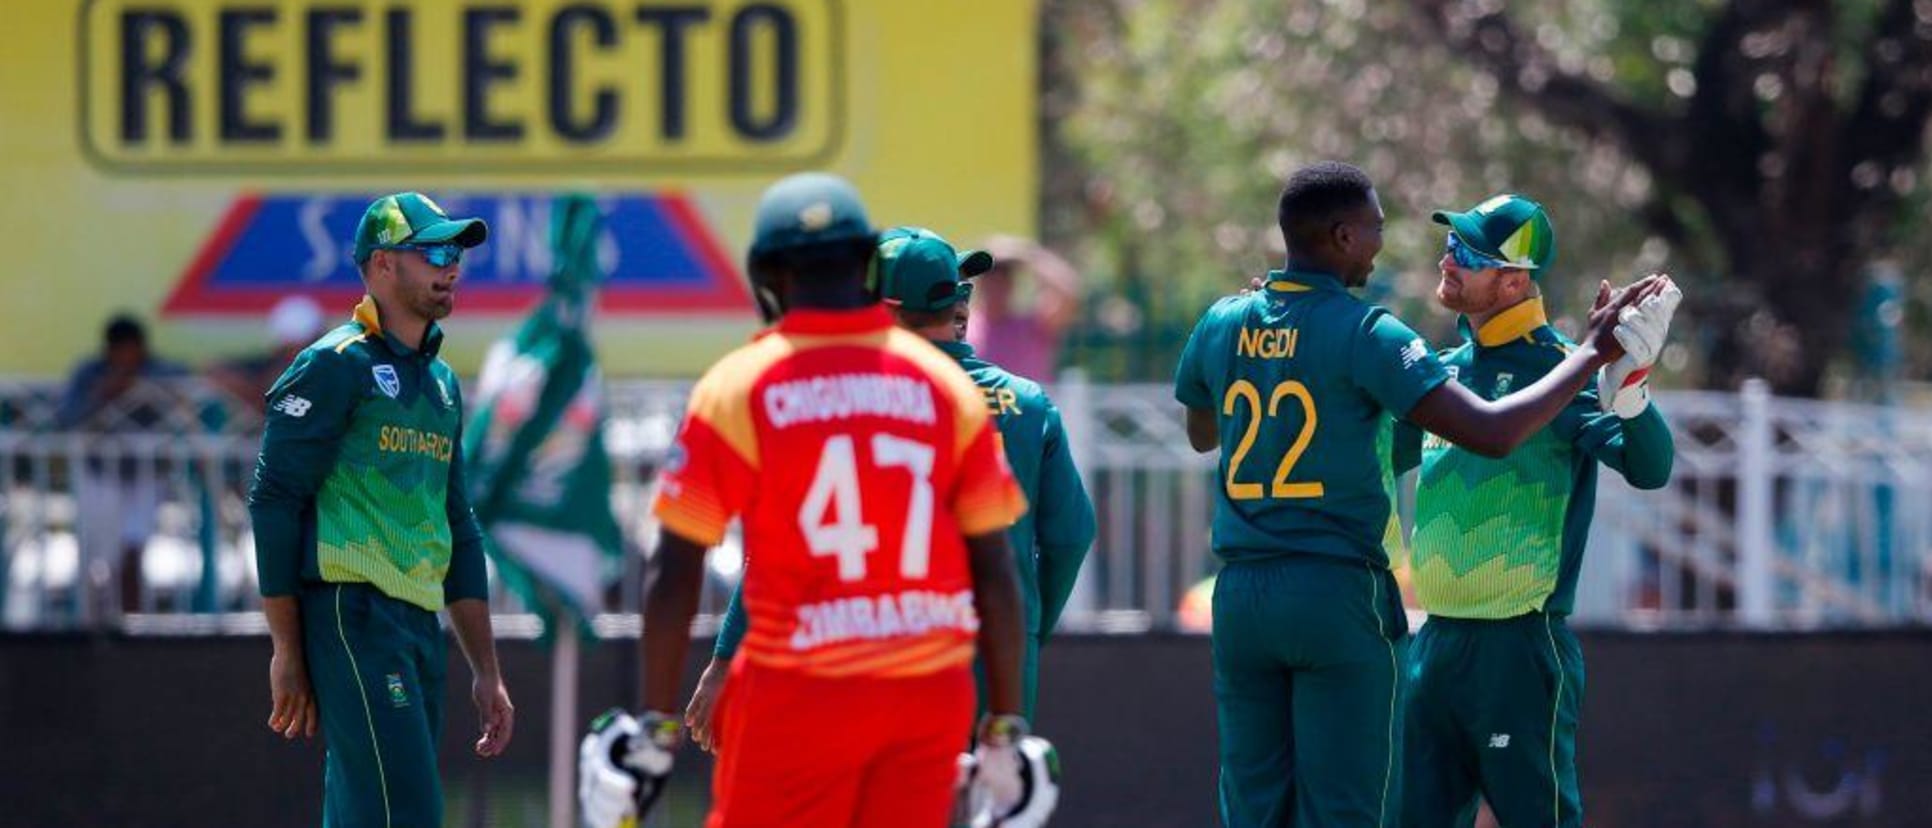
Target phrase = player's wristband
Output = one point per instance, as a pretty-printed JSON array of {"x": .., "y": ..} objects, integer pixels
[
  {"x": 1003, "y": 730},
  {"x": 665, "y": 730}
]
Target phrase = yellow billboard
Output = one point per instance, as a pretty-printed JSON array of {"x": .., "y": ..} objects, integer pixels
[{"x": 194, "y": 161}]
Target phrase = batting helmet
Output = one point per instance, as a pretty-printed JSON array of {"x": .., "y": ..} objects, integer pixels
[{"x": 809, "y": 209}]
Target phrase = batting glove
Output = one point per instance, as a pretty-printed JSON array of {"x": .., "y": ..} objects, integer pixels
[
  {"x": 1038, "y": 777},
  {"x": 1624, "y": 386},
  {"x": 623, "y": 764}
]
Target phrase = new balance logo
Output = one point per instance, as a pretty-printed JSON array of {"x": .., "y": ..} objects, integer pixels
[
  {"x": 1499, "y": 740},
  {"x": 1414, "y": 352},
  {"x": 293, "y": 406}
]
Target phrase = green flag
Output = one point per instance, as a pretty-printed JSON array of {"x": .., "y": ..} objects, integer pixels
[{"x": 540, "y": 479}]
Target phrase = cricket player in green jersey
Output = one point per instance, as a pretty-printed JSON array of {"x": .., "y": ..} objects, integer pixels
[
  {"x": 925, "y": 281},
  {"x": 363, "y": 531},
  {"x": 1495, "y": 677},
  {"x": 1298, "y": 384}
]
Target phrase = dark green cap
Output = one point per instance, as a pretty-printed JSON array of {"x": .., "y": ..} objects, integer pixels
[
  {"x": 809, "y": 209},
  {"x": 1508, "y": 227},
  {"x": 411, "y": 218},
  {"x": 919, "y": 270}
]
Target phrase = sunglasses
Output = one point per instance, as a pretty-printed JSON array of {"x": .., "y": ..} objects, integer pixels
[
  {"x": 438, "y": 255},
  {"x": 1468, "y": 259}
]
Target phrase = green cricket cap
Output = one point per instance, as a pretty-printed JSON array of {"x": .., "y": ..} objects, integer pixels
[
  {"x": 919, "y": 270},
  {"x": 411, "y": 218},
  {"x": 809, "y": 209},
  {"x": 1508, "y": 227}
]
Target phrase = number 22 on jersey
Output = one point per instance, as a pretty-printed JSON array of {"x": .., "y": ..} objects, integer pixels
[
  {"x": 1243, "y": 391},
  {"x": 832, "y": 514}
]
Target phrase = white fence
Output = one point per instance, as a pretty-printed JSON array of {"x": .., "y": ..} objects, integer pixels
[{"x": 1782, "y": 514}]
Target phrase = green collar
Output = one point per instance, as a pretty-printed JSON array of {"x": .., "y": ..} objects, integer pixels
[{"x": 956, "y": 350}]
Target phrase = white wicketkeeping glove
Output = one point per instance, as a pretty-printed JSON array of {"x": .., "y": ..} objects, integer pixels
[
  {"x": 1623, "y": 387},
  {"x": 620, "y": 772}
]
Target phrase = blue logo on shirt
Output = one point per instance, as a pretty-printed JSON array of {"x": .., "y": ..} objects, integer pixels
[{"x": 387, "y": 380}]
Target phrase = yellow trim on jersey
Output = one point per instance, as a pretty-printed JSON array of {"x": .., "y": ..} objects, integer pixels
[
  {"x": 1513, "y": 324},
  {"x": 368, "y": 316},
  {"x": 1290, "y": 287}
]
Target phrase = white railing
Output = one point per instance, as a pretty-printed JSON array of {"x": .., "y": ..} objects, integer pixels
[{"x": 1782, "y": 514}]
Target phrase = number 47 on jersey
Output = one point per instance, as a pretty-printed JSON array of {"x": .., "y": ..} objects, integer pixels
[{"x": 832, "y": 514}]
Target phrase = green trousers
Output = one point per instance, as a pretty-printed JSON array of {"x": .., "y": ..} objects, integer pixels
[
  {"x": 1308, "y": 686},
  {"x": 377, "y": 666},
  {"x": 1492, "y": 713}
]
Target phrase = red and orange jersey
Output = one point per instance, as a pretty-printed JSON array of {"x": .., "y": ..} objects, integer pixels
[{"x": 859, "y": 458}]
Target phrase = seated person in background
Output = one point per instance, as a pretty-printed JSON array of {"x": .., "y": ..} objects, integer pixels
[{"x": 117, "y": 499}]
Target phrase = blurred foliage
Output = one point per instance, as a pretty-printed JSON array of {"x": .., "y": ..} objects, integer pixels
[{"x": 1171, "y": 124}]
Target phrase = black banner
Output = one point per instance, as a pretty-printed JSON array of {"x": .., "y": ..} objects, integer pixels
[{"x": 1679, "y": 730}]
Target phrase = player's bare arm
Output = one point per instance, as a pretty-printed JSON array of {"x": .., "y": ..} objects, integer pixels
[
  {"x": 496, "y": 717},
  {"x": 1002, "y": 629},
  {"x": 293, "y": 713},
  {"x": 669, "y": 604},
  {"x": 1494, "y": 429},
  {"x": 1203, "y": 430},
  {"x": 704, "y": 704}
]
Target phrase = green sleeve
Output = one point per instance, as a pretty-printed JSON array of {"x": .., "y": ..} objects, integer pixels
[
  {"x": 309, "y": 409},
  {"x": 1190, "y": 376},
  {"x": 731, "y": 627},
  {"x": 1063, "y": 521},
  {"x": 1640, "y": 448},
  {"x": 1392, "y": 364},
  {"x": 467, "y": 576}
]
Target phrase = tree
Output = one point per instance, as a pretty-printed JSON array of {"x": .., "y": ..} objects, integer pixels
[
  {"x": 1764, "y": 150},
  {"x": 1795, "y": 164}
]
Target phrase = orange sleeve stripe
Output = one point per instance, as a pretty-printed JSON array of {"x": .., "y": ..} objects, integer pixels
[
  {"x": 980, "y": 512},
  {"x": 691, "y": 524},
  {"x": 693, "y": 501}
]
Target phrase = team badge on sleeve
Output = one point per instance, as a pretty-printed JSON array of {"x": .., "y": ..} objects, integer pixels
[{"x": 387, "y": 380}]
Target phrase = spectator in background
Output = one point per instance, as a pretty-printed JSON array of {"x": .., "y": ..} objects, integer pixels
[
  {"x": 115, "y": 392},
  {"x": 123, "y": 363},
  {"x": 293, "y": 323},
  {"x": 1024, "y": 334}
]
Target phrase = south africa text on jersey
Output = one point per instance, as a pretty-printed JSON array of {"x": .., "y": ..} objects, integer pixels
[
  {"x": 413, "y": 441},
  {"x": 844, "y": 396},
  {"x": 875, "y": 617},
  {"x": 1268, "y": 343}
]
